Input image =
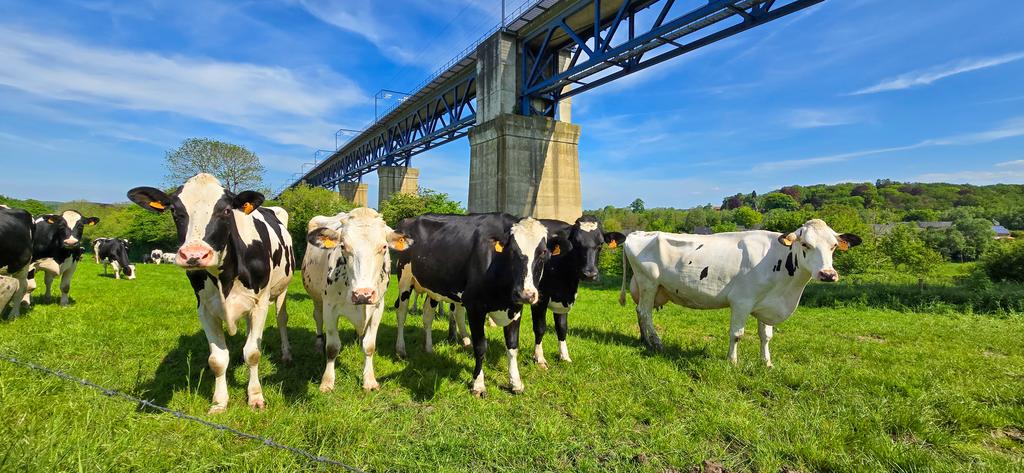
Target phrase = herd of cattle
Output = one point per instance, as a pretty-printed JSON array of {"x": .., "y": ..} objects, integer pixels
[{"x": 238, "y": 258}]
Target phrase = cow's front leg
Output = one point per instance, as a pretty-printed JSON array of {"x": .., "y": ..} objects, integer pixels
[
  {"x": 479, "y": 338},
  {"x": 538, "y": 313},
  {"x": 512, "y": 344},
  {"x": 65, "y": 284},
  {"x": 429, "y": 305},
  {"x": 218, "y": 358},
  {"x": 374, "y": 314},
  {"x": 117, "y": 269},
  {"x": 281, "y": 307},
  {"x": 765, "y": 332},
  {"x": 736, "y": 330},
  {"x": 562, "y": 330},
  {"x": 251, "y": 352},
  {"x": 400, "y": 313},
  {"x": 333, "y": 346}
]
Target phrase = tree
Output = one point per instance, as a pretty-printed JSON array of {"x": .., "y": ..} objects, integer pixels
[
  {"x": 746, "y": 217},
  {"x": 303, "y": 203},
  {"x": 402, "y": 205},
  {"x": 236, "y": 167},
  {"x": 782, "y": 221},
  {"x": 907, "y": 251},
  {"x": 778, "y": 200},
  {"x": 637, "y": 206},
  {"x": 979, "y": 235}
]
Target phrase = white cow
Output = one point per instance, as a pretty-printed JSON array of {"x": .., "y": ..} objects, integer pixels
[
  {"x": 758, "y": 272},
  {"x": 156, "y": 256},
  {"x": 346, "y": 271}
]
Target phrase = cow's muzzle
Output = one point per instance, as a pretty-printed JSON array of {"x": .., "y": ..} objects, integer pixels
[
  {"x": 364, "y": 296},
  {"x": 194, "y": 257},
  {"x": 70, "y": 242},
  {"x": 828, "y": 275},
  {"x": 528, "y": 296},
  {"x": 591, "y": 275}
]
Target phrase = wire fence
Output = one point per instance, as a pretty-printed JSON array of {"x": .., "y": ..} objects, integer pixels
[{"x": 113, "y": 393}]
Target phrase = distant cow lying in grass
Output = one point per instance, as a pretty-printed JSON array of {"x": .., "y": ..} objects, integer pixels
[
  {"x": 238, "y": 258},
  {"x": 758, "y": 272}
]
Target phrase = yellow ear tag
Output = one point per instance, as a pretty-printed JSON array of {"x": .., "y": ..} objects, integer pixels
[
  {"x": 400, "y": 244},
  {"x": 613, "y": 244},
  {"x": 91, "y": 223},
  {"x": 157, "y": 205},
  {"x": 327, "y": 242},
  {"x": 844, "y": 245},
  {"x": 557, "y": 251},
  {"x": 50, "y": 221},
  {"x": 248, "y": 208},
  {"x": 498, "y": 247}
]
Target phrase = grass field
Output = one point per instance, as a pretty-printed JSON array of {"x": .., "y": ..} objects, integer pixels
[{"x": 854, "y": 389}]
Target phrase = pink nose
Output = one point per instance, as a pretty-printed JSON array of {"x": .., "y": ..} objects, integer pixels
[
  {"x": 71, "y": 241},
  {"x": 828, "y": 275},
  {"x": 194, "y": 256},
  {"x": 528, "y": 296},
  {"x": 364, "y": 296}
]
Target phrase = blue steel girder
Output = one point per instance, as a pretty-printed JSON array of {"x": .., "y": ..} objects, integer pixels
[
  {"x": 607, "y": 40},
  {"x": 439, "y": 118}
]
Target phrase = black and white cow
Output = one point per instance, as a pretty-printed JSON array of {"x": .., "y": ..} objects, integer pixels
[
  {"x": 57, "y": 248},
  {"x": 562, "y": 277},
  {"x": 238, "y": 258},
  {"x": 113, "y": 251},
  {"x": 346, "y": 271},
  {"x": 156, "y": 256},
  {"x": 488, "y": 263},
  {"x": 755, "y": 273},
  {"x": 16, "y": 229}
]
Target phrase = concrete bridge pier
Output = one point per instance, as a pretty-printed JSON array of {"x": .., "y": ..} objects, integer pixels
[
  {"x": 526, "y": 166},
  {"x": 394, "y": 179},
  {"x": 356, "y": 192}
]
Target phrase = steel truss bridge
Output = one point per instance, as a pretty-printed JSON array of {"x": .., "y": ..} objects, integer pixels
[{"x": 604, "y": 40}]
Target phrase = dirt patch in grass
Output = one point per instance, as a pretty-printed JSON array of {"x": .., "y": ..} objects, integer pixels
[{"x": 871, "y": 338}]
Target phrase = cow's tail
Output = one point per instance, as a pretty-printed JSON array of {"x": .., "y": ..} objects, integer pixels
[{"x": 627, "y": 274}]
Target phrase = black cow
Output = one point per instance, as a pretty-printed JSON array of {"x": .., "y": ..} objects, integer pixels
[
  {"x": 238, "y": 258},
  {"x": 15, "y": 257},
  {"x": 57, "y": 248},
  {"x": 562, "y": 277},
  {"x": 489, "y": 263},
  {"x": 113, "y": 251}
]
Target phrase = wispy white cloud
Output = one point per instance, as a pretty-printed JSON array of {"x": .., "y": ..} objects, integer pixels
[
  {"x": 1014, "y": 163},
  {"x": 817, "y": 118},
  {"x": 276, "y": 103},
  {"x": 996, "y": 176},
  {"x": 928, "y": 76},
  {"x": 1009, "y": 129}
]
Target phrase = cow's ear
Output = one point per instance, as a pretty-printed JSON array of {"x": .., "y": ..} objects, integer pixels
[
  {"x": 90, "y": 221},
  {"x": 499, "y": 247},
  {"x": 247, "y": 201},
  {"x": 324, "y": 237},
  {"x": 614, "y": 239},
  {"x": 50, "y": 218},
  {"x": 559, "y": 244},
  {"x": 398, "y": 241},
  {"x": 150, "y": 198},
  {"x": 848, "y": 240},
  {"x": 788, "y": 239}
]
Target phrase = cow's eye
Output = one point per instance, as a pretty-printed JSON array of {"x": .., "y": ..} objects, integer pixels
[
  {"x": 226, "y": 212},
  {"x": 806, "y": 246},
  {"x": 383, "y": 248}
]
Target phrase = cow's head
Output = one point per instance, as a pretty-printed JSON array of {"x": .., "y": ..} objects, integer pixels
[
  {"x": 588, "y": 238},
  {"x": 204, "y": 213},
  {"x": 65, "y": 229},
  {"x": 528, "y": 248},
  {"x": 812, "y": 246},
  {"x": 358, "y": 245}
]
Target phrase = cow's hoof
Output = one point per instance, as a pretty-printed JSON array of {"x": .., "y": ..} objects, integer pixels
[
  {"x": 542, "y": 365},
  {"x": 286, "y": 357},
  {"x": 466, "y": 343},
  {"x": 565, "y": 358},
  {"x": 517, "y": 389},
  {"x": 257, "y": 402},
  {"x": 769, "y": 365},
  {"x": 478, "y": 393},
  {"x": 374, "y": 386},
  {"x": 429, "y": 349},
  {"x": 326, "y": 388},
  {"x": 400, "y": 352},
  {"x": 216, "y": 409}
]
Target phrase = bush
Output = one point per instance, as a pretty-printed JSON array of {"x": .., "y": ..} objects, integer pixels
[
  {"x": 1004, "y": 261},
  {"x": 303, "y": 203},
  {"x": 402, "y": 205},
  {"x": 610, "y": 263}
]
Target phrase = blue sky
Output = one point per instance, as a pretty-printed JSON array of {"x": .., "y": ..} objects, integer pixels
[{"x": 92, "y": 93}]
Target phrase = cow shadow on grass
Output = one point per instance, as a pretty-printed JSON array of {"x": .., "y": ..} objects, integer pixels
[
  {"x": 684, "y": 356},
  {"x": 296, "y": 296},
  {"x": 423, "y": 372},
  {"x": 186, "y": 368}
]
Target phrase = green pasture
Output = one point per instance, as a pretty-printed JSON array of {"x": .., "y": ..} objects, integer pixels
[{"x": 855, "y": 388}]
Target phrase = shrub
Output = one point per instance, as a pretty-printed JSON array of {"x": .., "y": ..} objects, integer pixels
[
  {"x": 303, "y": 203},
  {"x": 402, "y": 205},
  {"x": 1004, "y": 261}
]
